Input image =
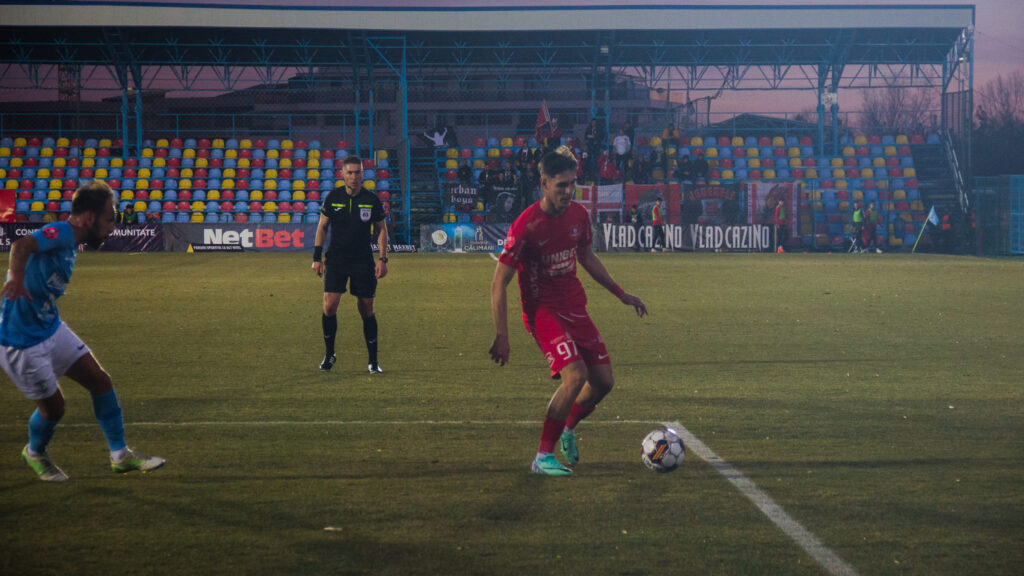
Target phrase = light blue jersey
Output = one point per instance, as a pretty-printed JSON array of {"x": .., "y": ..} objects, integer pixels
[{"x": 25, "y": 323}]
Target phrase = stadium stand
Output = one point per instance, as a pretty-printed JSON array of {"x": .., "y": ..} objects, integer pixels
[
  {"x": 192, "y": 180},
  {"x": 870, "y": 168}
]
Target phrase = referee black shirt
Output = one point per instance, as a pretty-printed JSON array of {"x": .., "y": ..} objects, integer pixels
[{"x": 351, "y": 218}]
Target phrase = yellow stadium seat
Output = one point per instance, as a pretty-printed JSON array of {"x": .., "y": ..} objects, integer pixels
[
  {"x": 696, "y": 141},
  {"x": 105, "y": 143},
  {"x": 451, "y": 153},
  {"x": 795, "y": 163},
  {"x": 20, "y": 142},
  {"x": 159, "y": 162},
  {"x": 737, "y": 141},
  {"x": 285, "y": 163},
  {"x": 231, "y": 153},
  {"x": 256, "y": 196},
  {"x": 284, "y": 217},
  {"x": 147, "y": 152},
  {"x": 849, "y": 151},
  {"x": 273, "y": 153},
  {"x": 91, "y": 152},
  {"x": 313, "y": 174},
  {"x": 383, "y": 154},
  {"x": 860, "y": 140},
  {"x": 156, "y": 194},
  {"x": 655, "y": 141},
  {"x": 63, "y": 142},
  {"x": 506, "y": 142},
  {"x": 243, "y": 163},
  {"x": 753, "y": 163},
  {"x": 217, "y": 143},
  {"x": 188, "y": 153},
  {"x": 909, "y": 172},
  {"x": 245, "y": 143},
  {"x": 196, "y": 217},
  {"x": 901, "y": 139},
  {"x": 769, "y": 173},
  {"x": 311, "y": 156},
  {"x": 299, "y": 196},
  {"x": 202, "y": 163},
  {"x": 163, "y": 143},
  {"x": 857, "y": 196},
  {"x": 899, "y": 194},
  {"x": 753, "y": 151},
  {"x": 451, "y": 164},
  {"x": 711, "y": 152},
  {"x": 778, "y": 141},
  {"x": 116, "y": 162},
  {"x": 287, "y": 144},
  {"x": 140, "y": 206},
  {"x": 53, "y": 195},
  {"x": 836, "y": 162},
  {"x": 298, "y": 185},
  {"x": 270, "y": 207}
]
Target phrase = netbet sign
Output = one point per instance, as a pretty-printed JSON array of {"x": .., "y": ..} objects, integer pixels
[{"x": 284, "y": 238}]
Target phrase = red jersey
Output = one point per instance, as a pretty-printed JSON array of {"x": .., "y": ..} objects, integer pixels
[{"x": 543, "y": 249}]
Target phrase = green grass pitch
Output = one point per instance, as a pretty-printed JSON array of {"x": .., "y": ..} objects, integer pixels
[{"x": 876, "y": 399}]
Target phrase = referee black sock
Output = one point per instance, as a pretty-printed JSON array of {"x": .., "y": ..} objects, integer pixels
[
  {"x": 370, "y": 334},
  {"x": 330, "y": 324}
]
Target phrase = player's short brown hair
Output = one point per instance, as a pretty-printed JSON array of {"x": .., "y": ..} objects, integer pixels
[
  {"x": 91, "y": 197},
  {"x": 554, "y": 163},
  {"x": 353, "y": 160}
]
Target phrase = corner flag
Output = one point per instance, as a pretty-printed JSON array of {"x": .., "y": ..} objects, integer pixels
[{"x": 933, "y": 219}]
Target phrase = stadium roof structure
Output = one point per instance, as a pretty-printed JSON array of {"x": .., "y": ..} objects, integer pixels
[{"x": 703, "y": 47}]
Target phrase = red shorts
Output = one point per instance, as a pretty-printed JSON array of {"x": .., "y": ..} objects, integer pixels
[{"x": 565, "y": 337}]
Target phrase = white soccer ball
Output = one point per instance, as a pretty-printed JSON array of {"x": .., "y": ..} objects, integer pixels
[{"x": 663, "y": 450}]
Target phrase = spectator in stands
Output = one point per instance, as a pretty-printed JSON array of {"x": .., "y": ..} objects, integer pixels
[
  {"x": 523, "y": 159},
  {"x": 553, "y": 138},
  {"x": 593, "y": 143},
  {"x": 670, "y": 134},
  {"x": 659, "y": 160},
  {"x": 438, "y": 138},
  {"x": 684, "y": 170},
  {"x": 623, "y": 146},
  {"x": 466, "y": 172},
  {"x": 152, "y": 218},
  {"x": 641, "y": 170},
  {"x": 127, "y": 216},
  {"x": 700, "y": 167},
  {"x": 606, "y": 165},
  {"x": 509, "y": 177}
]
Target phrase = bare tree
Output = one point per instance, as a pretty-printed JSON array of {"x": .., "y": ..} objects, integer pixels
[
  {"x": 897, "y": 108},
  {"x": 1001, "y": 101},
  {"x": 999, "y": 126}
]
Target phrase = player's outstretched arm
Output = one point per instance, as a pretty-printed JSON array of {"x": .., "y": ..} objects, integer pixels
[
  {"x": 593, "y": 265},
  {"x": 14, "y": 288},
  {"x": 500, "y": 348}
]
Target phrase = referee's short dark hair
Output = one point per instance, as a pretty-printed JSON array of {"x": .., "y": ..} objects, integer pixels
[
  {"x": 554, "y": 163},
  {"x": 353, "y": 160},
  {"x": 91, "y": 197}
]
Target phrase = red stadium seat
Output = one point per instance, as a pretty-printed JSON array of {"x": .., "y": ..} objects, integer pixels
[
  {"x": 341, "y": 145},
  {"x": 184, "y": 206}
]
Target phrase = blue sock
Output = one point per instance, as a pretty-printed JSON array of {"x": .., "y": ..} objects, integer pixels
[
  {"x": 108, "y": 413},
  {"x": 40, "y": 430}
]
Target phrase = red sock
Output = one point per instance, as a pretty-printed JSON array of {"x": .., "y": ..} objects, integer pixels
[
  {"x": 578, "y": 412},
  {"x": 549, "y": 434}
]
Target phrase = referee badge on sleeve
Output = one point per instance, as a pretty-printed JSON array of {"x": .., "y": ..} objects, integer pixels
[{"x": 364, "y": 214}]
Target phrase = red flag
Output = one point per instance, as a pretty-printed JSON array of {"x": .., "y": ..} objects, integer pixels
[{"x": 543, "y": 127}]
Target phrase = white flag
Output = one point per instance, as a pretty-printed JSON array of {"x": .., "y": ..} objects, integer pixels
[{"x": 933, "y": 217}]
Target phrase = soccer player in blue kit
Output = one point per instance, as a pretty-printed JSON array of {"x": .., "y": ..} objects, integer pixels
[{"x": 36, "y": 347}]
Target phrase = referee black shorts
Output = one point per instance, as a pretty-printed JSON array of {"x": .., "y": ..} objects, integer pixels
[{"x": 358, "y": 275}]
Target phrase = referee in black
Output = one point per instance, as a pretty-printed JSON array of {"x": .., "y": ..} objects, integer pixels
[{"x": 351, "y": 212}]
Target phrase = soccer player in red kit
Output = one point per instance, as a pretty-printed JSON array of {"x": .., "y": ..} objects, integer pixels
[{"x": 544, "y": 245}]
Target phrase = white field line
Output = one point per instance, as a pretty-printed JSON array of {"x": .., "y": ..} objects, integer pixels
[
  {"x": 256, "y": 423},
  {"x": 808, "y": 541},
  {"x": 495, "y": 258}
]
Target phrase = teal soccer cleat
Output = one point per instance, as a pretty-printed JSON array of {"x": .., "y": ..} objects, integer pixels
[
  {"x": 548, "y": 465},
  {"x": 569, "y": 450}
]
